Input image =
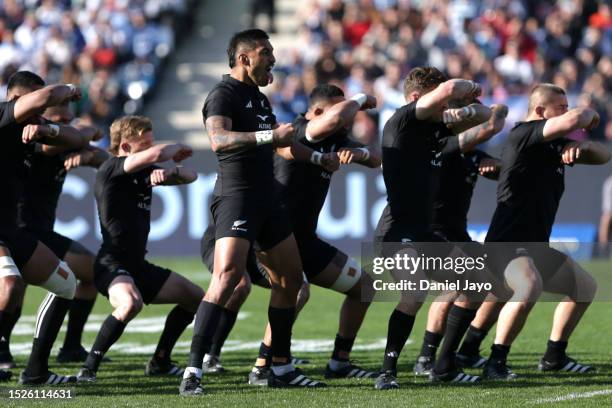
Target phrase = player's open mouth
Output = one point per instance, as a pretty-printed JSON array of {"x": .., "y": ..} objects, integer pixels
[{"x": 269, "y": 73}]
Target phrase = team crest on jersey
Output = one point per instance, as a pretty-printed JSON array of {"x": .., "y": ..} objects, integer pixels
[
  {"x": 238, "y": 225},
  {"x": 263, "y": 117}
]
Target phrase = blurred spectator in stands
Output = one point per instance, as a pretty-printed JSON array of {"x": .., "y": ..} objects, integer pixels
[{"x": 266, "y": 7}]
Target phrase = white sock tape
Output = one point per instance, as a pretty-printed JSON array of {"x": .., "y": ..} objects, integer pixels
[
  {"x": 350, "y": 275},
  {"x": 8, "y": 267},
  {"x": 62, "y": 281},
  {"x": 360, "y": 98}
]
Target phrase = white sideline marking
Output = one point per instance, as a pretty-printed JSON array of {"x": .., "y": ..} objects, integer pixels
[
  {"x": 155, "y": 324},
  {"x": 26, "y": 324},
  {"x": 573, "y": 396}
]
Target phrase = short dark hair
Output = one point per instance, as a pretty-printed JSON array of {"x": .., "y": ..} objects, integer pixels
[
  {"x": 324, "y": 92},
  {"x": 25, "y": 79},
  {"x": 246, "y": 38},
  {"x": 422, "y": 79}
]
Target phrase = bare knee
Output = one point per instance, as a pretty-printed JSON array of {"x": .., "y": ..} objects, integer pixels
[
  {"x": 128, "y": 308},
  {"x": 587, "y": 289},
  {"x": 242, "y": 291}
]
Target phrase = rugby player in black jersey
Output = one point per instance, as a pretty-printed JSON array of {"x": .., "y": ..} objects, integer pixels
[
  {"x": 255, "y": 274},
  {"x": 23, "y": 258},
  {"x": 243, "y": 133},
  {"x": 531, "y": 184},
  {"x": 458, "y": 177},
  {"x": 47, "y": 170},
  {"x": 415, "y": 141},
  {"x": 123, "y": 192},
  {"x": 303, "y": 187}
]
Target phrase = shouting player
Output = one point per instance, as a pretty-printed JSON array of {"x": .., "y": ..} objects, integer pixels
[{"x": 243, "y": 133}]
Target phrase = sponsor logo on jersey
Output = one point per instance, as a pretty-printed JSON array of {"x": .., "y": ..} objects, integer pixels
[
  {"x": 249, "y": 105},
  {"x": 263, "y": 117}
]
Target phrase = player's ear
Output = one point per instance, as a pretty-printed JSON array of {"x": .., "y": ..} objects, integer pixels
[
  {"x": 318, "y": 111},
  {"x": 539, "y": 110},
  {"x": 125, "y": 146},
  {"x": 244, "y": 59}
]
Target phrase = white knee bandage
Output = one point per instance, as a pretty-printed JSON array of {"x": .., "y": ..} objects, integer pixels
[
  {"x": 8, "y": 267},
  {"x": 62, "y": 281},
  {"x": 350, "y": 275}
]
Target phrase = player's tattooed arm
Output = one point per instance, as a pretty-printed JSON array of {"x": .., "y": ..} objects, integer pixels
[
  {"x": 578, "y": 118},
  {"x": 483, "y": 132},
  {"x": 462, "y": 119},
  {"x": 223, "y": 140},
  {"x": 173, "y": 176},
  {"x": 588, "y": 152}
]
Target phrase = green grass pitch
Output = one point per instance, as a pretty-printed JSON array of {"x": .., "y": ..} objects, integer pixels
[{"x": 122, "y": 383}]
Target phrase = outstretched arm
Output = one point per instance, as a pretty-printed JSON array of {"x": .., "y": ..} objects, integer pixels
[
  {"x": 224, "y": 140},
  {"x": 156, "y": 154},
  {"x": 431, "y": 103},
  {"x": 56, "y": 135},
  {"x": 362, "y": 155},
  {"x": 304, "y": 154},
  {"x": 337, "y": 117},
  {"x": 472, "y": 137},
  {"x": 173, "y": 176},
  {"x": 588, "y": 152},
  {"x": 578, "y": 118},
  {"x": 34, "y": 103}
]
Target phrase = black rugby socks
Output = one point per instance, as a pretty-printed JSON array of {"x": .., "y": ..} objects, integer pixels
[
  {"x": 109, "y": 333},
  {"x": 51, "y": 315},
  {"x": 431, "y": 342},
  {"x": 206, "y": 322},
  {"x": 176, "y": 322},
  {"x": 457, "y": 323},
  {"x": 226, "y": 324},
  {"x": 400, "y": 326},
  {"x": 77, "y": 317}
]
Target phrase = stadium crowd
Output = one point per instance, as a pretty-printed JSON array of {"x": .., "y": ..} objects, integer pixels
[
  {"x": 505, "y": 45},
  {"x": 114, "y": 50}
]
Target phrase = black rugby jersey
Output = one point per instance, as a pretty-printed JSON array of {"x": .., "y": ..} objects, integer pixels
[
  {"x": 124, "y": 208},
  {"x": 247, "y": 171},
  {"x": 458, "y": 177},
  {"x": 531, "y": 183},
  {"x": 304, "y": 186},
  {"x": 412, "y": 154},
  {"x": 12, "y": 165},
  {"x": 42, "y": 191}
]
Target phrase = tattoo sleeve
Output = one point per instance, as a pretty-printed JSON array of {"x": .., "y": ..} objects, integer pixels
[{"x": 222, "y": 139}]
